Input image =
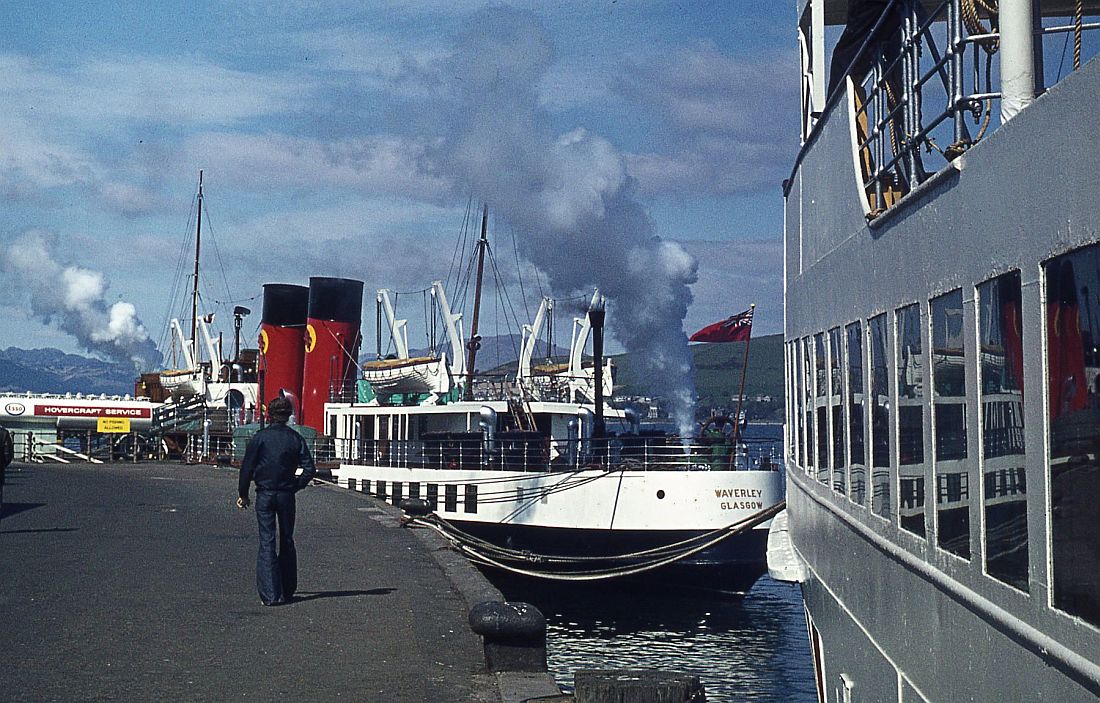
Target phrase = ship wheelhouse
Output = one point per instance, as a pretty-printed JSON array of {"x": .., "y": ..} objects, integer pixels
[{"x": 942, "y": 278}]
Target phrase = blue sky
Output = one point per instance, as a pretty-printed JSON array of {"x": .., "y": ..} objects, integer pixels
[{"x": 348, "y": 138}]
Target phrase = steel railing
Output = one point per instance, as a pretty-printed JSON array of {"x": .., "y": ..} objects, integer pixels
[
  {"x": 916, "y": 96},
  {"x": 523, "y": 454}
]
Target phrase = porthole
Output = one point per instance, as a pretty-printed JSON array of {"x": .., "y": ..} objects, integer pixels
[{"x": 660, "y": 495}]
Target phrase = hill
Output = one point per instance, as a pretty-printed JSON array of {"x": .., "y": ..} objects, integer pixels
[
  {"x": 53, "y": 371},
  {"x": 717, "y": 372},
  {"x": 718, "y": 377}
]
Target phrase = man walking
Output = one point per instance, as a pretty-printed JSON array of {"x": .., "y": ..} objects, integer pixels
[{"x": 271, "y": 459}]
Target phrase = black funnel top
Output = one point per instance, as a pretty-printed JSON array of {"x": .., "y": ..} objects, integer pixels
[
  {"x": 285, "y": 305},
  {"x": 335, "y": 299}
]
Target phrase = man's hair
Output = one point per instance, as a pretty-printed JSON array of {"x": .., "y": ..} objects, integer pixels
[{"x": 280, "y": 409}]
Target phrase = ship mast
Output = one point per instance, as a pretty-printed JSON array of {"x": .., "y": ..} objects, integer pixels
[
  {"x": 475, "y": 340},
  {"x": 195, "y": 276}
]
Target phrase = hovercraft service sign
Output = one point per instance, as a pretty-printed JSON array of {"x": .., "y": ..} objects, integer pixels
[{"x": 58, "y": 410}]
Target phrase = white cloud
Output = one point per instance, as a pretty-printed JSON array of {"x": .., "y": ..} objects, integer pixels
[
  {"x": 734, "y": 274},
  {"x": 136, "y": 88},
  {"x": 722, "y": 120},
  {"x": 373, "y": 165}
]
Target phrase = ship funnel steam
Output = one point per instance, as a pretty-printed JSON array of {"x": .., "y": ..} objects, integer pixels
[
  {"x": 72, "y": 298},
  {"x": 568, "y": 197}
]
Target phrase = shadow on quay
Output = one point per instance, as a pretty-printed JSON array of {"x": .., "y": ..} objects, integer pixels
[
  {"x": 9, "y": 509},
  {"x": 314, "y": 595}
]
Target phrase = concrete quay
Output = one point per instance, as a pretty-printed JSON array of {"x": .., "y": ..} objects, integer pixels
[{"x": 137, "y": 582}]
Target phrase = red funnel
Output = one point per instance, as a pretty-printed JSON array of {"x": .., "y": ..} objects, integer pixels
[{"x": 331, "y": 344}]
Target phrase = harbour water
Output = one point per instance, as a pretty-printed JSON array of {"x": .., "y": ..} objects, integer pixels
[{"x": 745, "y": 649}]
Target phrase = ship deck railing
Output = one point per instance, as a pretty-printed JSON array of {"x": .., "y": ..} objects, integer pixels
[
  {"x": 539, "y": 454},
  {"x": 931, "y": 88}
]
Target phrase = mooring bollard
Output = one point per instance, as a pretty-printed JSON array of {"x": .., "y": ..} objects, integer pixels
[
  {"x": 637, "y": 686},
  {"x": 416, "y": 507},
  {"x": 514, "y": 635}
]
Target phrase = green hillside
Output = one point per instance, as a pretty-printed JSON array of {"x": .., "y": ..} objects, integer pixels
[{"x": 718, "y": 376}]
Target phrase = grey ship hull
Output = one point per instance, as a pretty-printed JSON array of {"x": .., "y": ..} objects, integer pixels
[
  {"x": 902, "y": 630},
  {"x": 893, "y": 616}
]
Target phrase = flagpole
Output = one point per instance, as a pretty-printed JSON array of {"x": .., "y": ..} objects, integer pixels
[{"x": 741, "y": 392}]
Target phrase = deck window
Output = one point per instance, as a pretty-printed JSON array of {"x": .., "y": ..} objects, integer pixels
[
  {"x": 910, "y": 418},
  {"x": 808, "y": 403},
  {"x": 837, "y": 410},
  {"x": 821, "y": 407},
  {"x": 880, "y": 417},
  {"x": 1004, "y": 485},
  {"x": 1073, "y": 362},
  {"x": 857, "y": 440},
  {"x": 794, "y": 393},
  {"x": 949, "y": 403}
]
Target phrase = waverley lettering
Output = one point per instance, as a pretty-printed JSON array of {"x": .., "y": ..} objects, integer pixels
[
  {"x": 738, "y": 492},
  {"x": 90, "y": 411}
]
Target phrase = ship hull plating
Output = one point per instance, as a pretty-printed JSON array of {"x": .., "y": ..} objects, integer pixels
[{"x": 894, "y": 628}]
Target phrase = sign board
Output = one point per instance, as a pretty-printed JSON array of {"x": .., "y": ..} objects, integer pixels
[
  {"x": 112, "y": 424},
  {"x": 69, "y": 410}
]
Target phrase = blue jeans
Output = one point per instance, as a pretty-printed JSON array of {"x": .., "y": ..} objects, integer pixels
[{"x": 276, "y": 572}]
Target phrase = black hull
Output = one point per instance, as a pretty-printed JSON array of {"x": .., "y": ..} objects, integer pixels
[{"x": 732, "y": 566}]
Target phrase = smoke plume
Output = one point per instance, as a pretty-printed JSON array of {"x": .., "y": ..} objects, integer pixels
[
  {"x": 568, "y": 196},
  {"x": 72, "y": 299}
]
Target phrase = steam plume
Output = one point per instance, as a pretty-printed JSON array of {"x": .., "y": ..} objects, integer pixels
[
  {"x": 71, "y": 298},
  {"x": 568, "y": 196}
]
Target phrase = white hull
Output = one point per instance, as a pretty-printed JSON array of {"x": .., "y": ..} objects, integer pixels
[{"x": 589, "y": 499}]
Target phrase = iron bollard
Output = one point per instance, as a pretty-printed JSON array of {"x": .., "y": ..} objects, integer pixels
[{"x": 514, "y": 635}]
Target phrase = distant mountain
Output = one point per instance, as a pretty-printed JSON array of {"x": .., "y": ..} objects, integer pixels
[
  {"x": 717, "y": 372},
  {"x": 53, "y": 371}
]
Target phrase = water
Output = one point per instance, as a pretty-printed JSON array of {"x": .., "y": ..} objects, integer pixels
[
  {"x": 747, "y": 649},
  {"x": 750, "y": 648}
]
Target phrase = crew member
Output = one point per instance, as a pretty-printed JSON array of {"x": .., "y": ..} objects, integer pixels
[
  {"x": 7, "y": 453},
  {"x": 271, "y": 460},
  {"x": 862, "y": 17}
]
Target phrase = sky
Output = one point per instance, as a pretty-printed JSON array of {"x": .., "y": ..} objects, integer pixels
[{"x": 634, "y": 145}]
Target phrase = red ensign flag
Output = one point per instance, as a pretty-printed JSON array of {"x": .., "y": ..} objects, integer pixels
[{"x": 732, "y": 329}]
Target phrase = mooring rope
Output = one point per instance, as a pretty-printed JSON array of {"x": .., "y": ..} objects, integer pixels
[{"x": 615, "y": 572}]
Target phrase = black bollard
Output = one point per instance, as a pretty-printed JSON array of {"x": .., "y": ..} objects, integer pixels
[
  {"x": 416, "y": 507},
  {"x": 514, "y": 635},
  {"x": 637, "y": 686}
]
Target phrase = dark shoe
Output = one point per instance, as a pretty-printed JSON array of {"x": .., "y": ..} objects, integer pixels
[{"x": 273, "y": 603}]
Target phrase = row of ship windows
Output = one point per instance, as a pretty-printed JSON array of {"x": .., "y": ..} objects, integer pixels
[
  {"x": 394, "y": 492},
  {"x": 907, "y": 372}
]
